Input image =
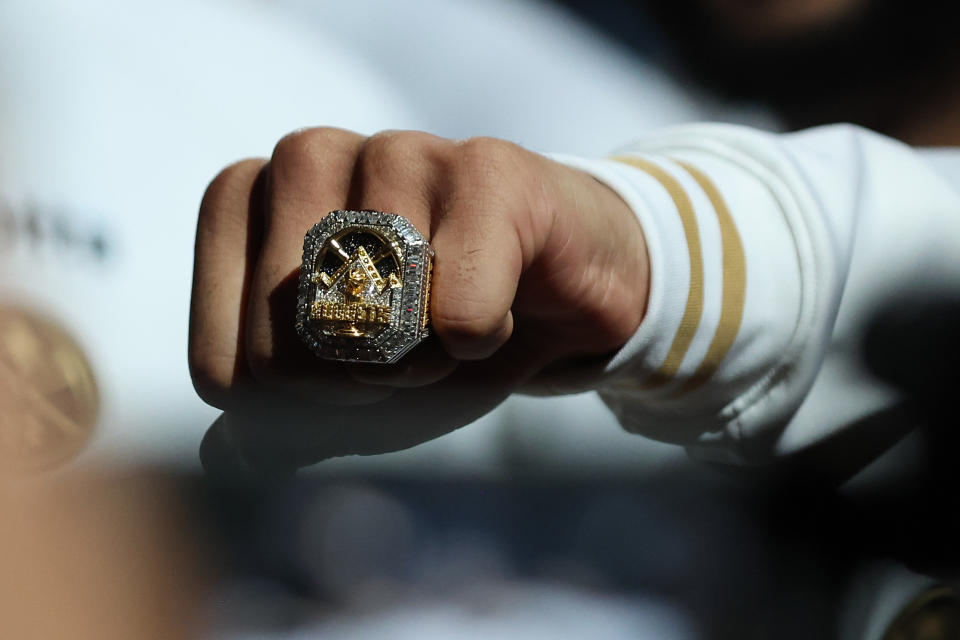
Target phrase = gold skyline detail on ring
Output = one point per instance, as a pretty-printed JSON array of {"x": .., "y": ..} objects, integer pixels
[
  {"x": 49, "y": 400},
  {"x": 351, "y": 312},
  {"x": 361, "y": 313}
]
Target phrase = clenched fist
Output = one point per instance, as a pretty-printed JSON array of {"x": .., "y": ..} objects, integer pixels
[{"x": 538, "y": 267}]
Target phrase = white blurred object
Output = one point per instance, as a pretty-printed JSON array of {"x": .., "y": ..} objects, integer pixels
[
  {"x": 116, "y": 115},
  {"x": 526, "y": 71}
]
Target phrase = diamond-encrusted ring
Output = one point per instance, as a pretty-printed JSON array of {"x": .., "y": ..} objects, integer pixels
[{"x": 364, "y": 287}]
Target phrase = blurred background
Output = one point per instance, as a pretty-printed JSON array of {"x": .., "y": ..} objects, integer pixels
[{"x": 542, "y": 518}]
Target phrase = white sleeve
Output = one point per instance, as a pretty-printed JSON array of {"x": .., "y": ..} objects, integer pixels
[{"x": 769, "y": 254}]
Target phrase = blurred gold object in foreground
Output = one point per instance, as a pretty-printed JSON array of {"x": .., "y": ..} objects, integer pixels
[
  {"x": 48, "y": 396},
  {"x": 933, "y": 615}
]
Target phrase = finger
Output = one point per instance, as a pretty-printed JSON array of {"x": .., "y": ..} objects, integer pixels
[
  {"x": 221, "y": 453},
  {"x": 399, "y": 172},
  {"x": 414, "y": 416},
  {"x": 310, "y": 174},
  {"x": 270, "y": 440},
  {"x": 273, "y": 434},
  {"x": 479, "y": 257},
  {"x": 263, "y": 439},
  {"x": 227, "y": 244}
]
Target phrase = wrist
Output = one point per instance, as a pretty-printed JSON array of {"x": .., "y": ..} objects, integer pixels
[{"x": 615, "y": 262}]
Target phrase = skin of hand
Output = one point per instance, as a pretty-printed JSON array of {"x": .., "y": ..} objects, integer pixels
[{"x": 537, "y": 266}]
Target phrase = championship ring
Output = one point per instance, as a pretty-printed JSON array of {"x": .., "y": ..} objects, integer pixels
[{"x": 364, "y": 291}]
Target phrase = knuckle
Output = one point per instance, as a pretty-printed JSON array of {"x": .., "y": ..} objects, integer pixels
[
  {"x": 488, "y": 166},
  {"x": 486, "y": 154},
  {"x": 393, "y": 149},
  {"x": 291, "y": 148},
  {"x": 232, "y": 184},
  {"x": 233, "y": 177},
  {"x": 303, "y": 148},
  {"x": 391, "y": 141}
]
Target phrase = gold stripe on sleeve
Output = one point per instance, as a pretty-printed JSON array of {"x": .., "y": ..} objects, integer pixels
[
  {"x": 694, "y": 309},
  {"x": 734, "y": 284}
]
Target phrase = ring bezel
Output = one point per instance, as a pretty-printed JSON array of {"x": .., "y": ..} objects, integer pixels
[{"x": 408, "y": 303}]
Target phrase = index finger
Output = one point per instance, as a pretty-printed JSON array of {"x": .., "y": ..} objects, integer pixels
[{"x": 227, "y": 245}]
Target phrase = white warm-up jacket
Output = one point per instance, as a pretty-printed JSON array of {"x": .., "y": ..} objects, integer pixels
[{"x": 770, "y": 255}]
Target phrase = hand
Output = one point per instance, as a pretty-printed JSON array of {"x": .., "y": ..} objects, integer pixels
[{"x": 537, "y": 266}]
